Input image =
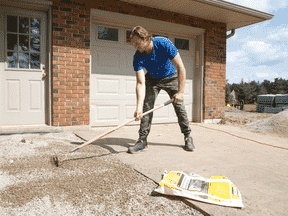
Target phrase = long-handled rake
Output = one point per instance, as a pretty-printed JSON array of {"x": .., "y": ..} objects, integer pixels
[{"x": 55, "y": 159}]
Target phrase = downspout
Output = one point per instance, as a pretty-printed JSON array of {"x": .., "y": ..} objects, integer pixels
[
  {"x": 202, "y": 76},
  {"x": 231, "y": 34},
  {"x": 50, "y": 64}
]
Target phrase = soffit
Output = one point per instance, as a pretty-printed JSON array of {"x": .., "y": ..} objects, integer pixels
[
  {"x": 235, "y": 16},
  {"x": 129, "y": 21}
]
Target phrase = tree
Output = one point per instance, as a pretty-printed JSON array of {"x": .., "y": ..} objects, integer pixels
[
  {"x": 251, "y": 92},
  {"x": 262, "y": 90},
  {"x": 227, "y": 91},
  {"x": 273, "y": 87},
  {"x": 280, "y": 86},
  {"x": 267, "y": 85}
]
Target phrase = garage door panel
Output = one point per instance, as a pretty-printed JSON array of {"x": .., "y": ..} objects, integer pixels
[
  {"x": 108, "y": 60},
  {"x": 130, "y": 86},
  {"x": 110, "y": 112},
  {"x": 106, "y": 63},
  {"x": 103, "y": 112},
  {"x": 130, "y": 109},
  {"x": 127, "y": 58},
  {"x": 108, "y": 86}
]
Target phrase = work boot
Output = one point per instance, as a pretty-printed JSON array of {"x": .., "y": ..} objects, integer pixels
[
  {"x": 189, "y": 146},
  {"x": 140, "y": 145}
]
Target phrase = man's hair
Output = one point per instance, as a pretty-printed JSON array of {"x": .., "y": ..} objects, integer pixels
[{"x": 141, "y": 32}]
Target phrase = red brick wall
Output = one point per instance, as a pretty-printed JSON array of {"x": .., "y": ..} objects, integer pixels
[
  {"x": 71, "y": 28},
  {"x": 214, "y": 72},
  {"x": 71, "y": 64}
]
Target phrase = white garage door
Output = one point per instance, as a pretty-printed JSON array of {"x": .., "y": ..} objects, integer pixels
[{"x": 113, "y": 80}]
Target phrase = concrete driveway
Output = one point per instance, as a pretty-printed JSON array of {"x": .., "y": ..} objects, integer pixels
[{"x": 259, "y": 171}]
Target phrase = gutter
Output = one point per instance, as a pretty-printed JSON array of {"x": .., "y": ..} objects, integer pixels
[{"x": 238, "y": 8}]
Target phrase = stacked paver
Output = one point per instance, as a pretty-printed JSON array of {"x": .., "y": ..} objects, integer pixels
[
  {"x": 272, "y": 103},
  {"x": 281, "y": 101}
]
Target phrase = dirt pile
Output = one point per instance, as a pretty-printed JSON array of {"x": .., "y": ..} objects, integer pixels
[
  {"x": 238, "y": 117},
  {"x": 277, "y": 124},
  {"x": 265, "y": 123}
]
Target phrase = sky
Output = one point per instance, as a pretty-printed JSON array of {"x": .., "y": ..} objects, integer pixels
[{"x": 260, "y": 51}]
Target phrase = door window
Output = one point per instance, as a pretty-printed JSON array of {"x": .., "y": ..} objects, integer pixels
[{"x": 23, "y": 42}]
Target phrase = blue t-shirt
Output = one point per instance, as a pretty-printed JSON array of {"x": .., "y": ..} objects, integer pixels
[{"x": 158, "y": 64}]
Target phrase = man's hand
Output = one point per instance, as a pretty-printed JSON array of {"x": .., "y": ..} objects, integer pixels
[
  {"x": 138, "y": 114},
  {"x": 179, "y": 96}
]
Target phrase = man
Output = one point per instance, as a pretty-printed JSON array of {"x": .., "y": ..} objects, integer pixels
[{"x": 161, "y": 59}]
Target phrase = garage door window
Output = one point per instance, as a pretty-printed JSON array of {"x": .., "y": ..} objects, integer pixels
[
  {"x": 182, "y": 44},
  {"x": 23, "y": 42},
  {"x": 109, "y": 34}
]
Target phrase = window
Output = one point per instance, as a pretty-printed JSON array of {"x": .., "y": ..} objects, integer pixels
[
  {"x": 23, "y": 42},
  {"x": 105, "y": 33},
  {"x": 182, "y": 44}
]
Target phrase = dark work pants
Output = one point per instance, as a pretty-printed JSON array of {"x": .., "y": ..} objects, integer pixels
[{"x": 153, "y": 87}]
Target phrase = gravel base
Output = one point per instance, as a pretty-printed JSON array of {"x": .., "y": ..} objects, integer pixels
[{"x": 88, "y": 182}]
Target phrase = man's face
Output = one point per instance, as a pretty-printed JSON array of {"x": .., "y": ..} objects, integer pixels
[{"x": 139, "y": 44}]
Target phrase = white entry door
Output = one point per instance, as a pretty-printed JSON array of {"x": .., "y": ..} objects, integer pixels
[{"x": 22, "y": 65}]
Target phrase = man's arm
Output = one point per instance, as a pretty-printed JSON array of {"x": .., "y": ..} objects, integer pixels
[
  {"x": 140, "y": 93},
  {"x": 178, "y": 63}
]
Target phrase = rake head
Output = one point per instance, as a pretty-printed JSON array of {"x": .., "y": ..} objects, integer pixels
[{"x": 54, "y": 161}]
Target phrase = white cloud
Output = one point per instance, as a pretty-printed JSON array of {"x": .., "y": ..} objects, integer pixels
[
  {"x": 262, "y": 74},
  {"x": 238, "y": 56},
  {"x": 257, "y": 73},
  {"x": 262, "y": 5},
  {"x": 258, "y": 46},
  {"x": 279, "y": 34}
]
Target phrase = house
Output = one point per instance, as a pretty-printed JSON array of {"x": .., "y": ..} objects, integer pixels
[{"x": 67, "y": 62}]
